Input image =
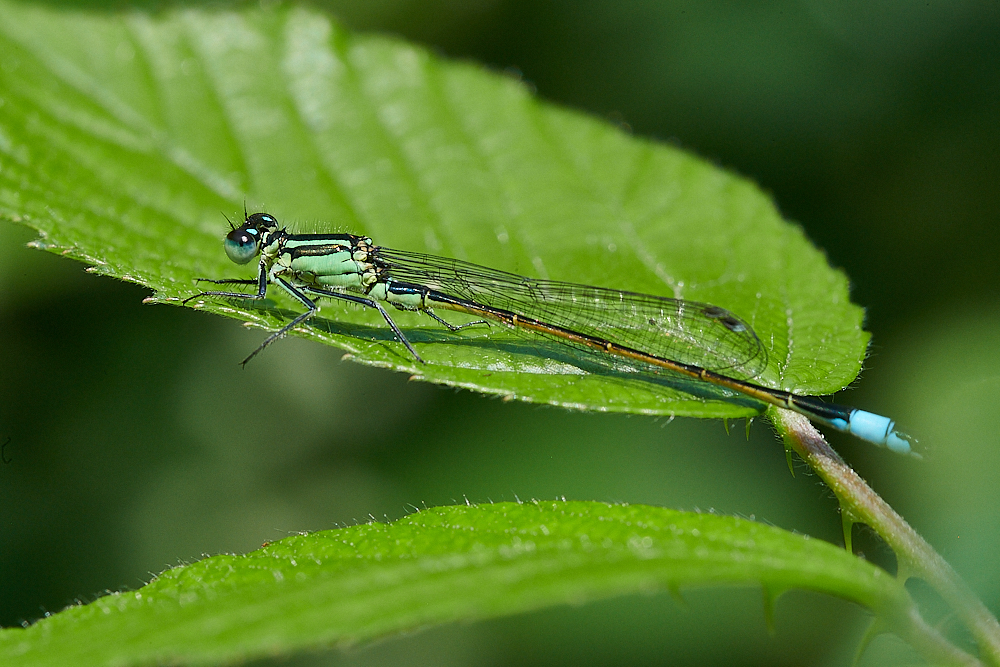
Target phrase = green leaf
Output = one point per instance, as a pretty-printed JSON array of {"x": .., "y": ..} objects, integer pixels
[
  {"x": 124, "y": 137},
  {"x": 356, "y": 584}
]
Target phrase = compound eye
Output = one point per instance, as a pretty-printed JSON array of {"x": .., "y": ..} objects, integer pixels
[{"x": 241, "y": 245}]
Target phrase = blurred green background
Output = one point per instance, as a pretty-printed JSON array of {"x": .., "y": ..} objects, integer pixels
[{"x": 137, "y": 442}]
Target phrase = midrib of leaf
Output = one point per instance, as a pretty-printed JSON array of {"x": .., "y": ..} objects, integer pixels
[{"x": 468, "y": 157}]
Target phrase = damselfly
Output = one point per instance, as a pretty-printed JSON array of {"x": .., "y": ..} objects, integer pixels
[{"x": 639, "y": 332}]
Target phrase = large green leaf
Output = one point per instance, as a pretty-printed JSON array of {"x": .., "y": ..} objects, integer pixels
[
  {"x": 356, "y": 584},
  {"x": 123, "y": 138}
]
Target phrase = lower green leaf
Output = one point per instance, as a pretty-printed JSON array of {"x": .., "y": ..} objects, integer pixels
[{"x": 441, "y": 565}]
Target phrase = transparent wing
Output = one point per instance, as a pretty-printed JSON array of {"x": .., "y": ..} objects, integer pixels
[{"x": 686, "y": 331}]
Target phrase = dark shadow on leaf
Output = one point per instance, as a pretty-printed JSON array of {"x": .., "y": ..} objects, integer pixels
[{"x": 523, "y": 344}]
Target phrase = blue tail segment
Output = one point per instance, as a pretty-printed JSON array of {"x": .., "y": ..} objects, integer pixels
[
  {"x": 868, "y": 426},
  {"x": 874, "y": 428}
]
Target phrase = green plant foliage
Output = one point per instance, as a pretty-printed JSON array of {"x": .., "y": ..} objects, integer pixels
[
  {"x": 124, "y": 136},
  {"x": 356, "y": 584}
]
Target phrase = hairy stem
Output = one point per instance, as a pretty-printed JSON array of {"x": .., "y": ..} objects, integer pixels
[{"x": 915, "y": 555}]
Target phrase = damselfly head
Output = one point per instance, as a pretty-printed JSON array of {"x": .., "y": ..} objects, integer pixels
[{"x": 243, "y": 243}]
